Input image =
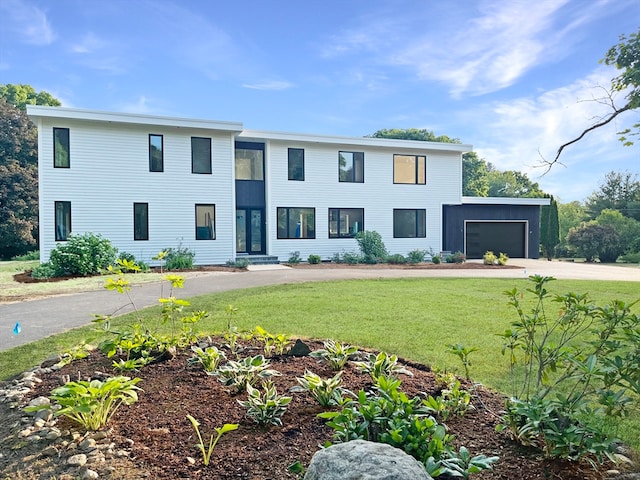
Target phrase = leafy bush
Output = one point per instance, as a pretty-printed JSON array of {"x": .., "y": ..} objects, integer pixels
[
  {"x": 630, "y": 258},
  {"x": 314, "y": 259},
  {"x": 125, "y": 259},
  {"x": 595, "y": 241},
  {"x": 489, "y": 258},
  {"x": 44, "y": 270},
  {"x": 245, "y": 372},
  {"x": 351, "y": 258},
  {"x": 85, "y": 254},
  {"x": 436, "y": 259},
  {"x": 382, "y": 365},
  {"x": 371, "y": 246},
  {"x": 294, "y": 258},
  {"x": 180, "y": 258},
  {"x": 337, "y": 354},
  {"x": 326, "y": 392},
  {"x": 267, "y": 407},
  {"x": 208, "y": 357},
  {"x": 503, "y": 259},
  {"x": 457, "y": 257},
  {"x": 396, "y": 259},
  {"x": 416, "y": 256},
  {"x": 33, "y": 255},
  {"x": 238, "y": 263}
]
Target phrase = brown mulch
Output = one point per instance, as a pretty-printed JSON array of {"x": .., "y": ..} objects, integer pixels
[{"x": 161, "y": 439}]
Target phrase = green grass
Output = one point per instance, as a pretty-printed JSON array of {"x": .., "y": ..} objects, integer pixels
[{"x": 413, "y": 318}]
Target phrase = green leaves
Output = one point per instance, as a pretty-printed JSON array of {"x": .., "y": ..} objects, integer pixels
[
  {"x": 266, "y": 407},
  {"x": 337, "y": 354},
  {"x": 207, "y": 450},
  {"x": 325, "y": 391},
  {"x": 382, "y": 365}
]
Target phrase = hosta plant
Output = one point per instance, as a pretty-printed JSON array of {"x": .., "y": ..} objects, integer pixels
[
  {"x": 207, "y": 450},
  {"x": 325, "y": 391},
  {"x": 273, "y": 343},
  {"x": 336, "y": 354},
  {"x": 267, "y": 406},
  {"x": 92, "y": 403},
  {"x": 209, "y": 358},
  {"x": 242, "y": 373},
  {"x": 462, "y": 464},
  {"x": 382, "y": 365}
]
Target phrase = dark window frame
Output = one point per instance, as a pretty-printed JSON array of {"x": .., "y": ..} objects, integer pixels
[
  {"x": 211, "y": 228},
  {"x": 206, "y": 171},
  {"x": 420, "y": 214},
  {"x": 138, "y": 233},
  {"x": 295, "y": 172},
  {"x": 67, "y": 162},
  {"x": 417, "y": 179},
  {"x": 338, "y": 229},
  {"x": 256, "y": 174},
  {"x": 289, "y": 236},
  {"x": 152, "y": 161},
  {"x": 353, "y": 177},
  {"x": 59, "y": 235}
]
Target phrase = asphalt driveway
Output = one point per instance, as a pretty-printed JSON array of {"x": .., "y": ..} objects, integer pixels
[{"x": 48, "y": 316}]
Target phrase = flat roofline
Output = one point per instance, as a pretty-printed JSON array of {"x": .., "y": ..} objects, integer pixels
[
  {"x": 505, "y": 201},
  {"x": 39, "y": 111}
]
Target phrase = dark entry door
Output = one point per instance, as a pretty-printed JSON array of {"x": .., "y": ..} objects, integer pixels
[{"x": 250, "y": 231}]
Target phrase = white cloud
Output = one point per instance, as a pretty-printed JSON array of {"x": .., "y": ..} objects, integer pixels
[
  {"x": 89, "y": 44},
  {"x": 269, "y": 85},
  {"x": 27, "y": 22},
  {"x": 141, "y": 105}
]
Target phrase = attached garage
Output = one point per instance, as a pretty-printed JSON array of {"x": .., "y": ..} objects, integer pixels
[{"x": 480, "y": 224}]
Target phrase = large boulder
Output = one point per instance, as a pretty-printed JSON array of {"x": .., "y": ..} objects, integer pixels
[{"x": 362, "y": 460}]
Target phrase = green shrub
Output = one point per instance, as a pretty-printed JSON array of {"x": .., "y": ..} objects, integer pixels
[
  {"x": 396, "y": 259},
  {"x": 503, "y": 259},
  {"x": 371, "y": 246},
  {"x": 314, "y": 259},
  {"x": 457, "y": 257},
  {"x": 85, "y": 254},
  {"x": 489, "y": 258},
  {"x": 337, "y": 257},
  {"x": 180, "y": 258},
  {"x": 238, "y": 263},
  {"x": 44, "y": 270},
  {"x": 351, "y": 258},
  {"x": 630, "y": 258},
  {"x": 416, "y": 256},
  {"x": 33, "y": 255},
  {"x": 436, "y": 259},
  {"x": 127, "y": 258},
  {"x": 294, "y": 258}
]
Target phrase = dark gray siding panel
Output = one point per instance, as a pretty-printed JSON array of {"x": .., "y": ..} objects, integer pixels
[
  {"x": 250, "y": 193},
  {"x": 454, "y": 216}
]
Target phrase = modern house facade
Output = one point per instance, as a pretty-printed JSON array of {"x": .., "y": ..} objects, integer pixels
[{"x": 148, "y": 183}]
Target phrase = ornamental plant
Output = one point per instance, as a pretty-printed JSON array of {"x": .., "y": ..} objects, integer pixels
[
  {"x": 382, "y": 365},
  {"x": 85, "y": 254},
  {"x": 335, "y": 353},
  {"x": 92, "y": 403},
  {"x": 371, "y": 246},
  {"x": 246, "y": 372},
  {"x": 209, "y": 358},
  {"x": 207, "y": 450},
  {"x": 273, "y": 344},
  {"x": 325, "y": 391},
  {"x": 267, "y": 406}
]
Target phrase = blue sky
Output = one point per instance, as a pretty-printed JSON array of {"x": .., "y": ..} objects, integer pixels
[{"x": 514, "y": 78}]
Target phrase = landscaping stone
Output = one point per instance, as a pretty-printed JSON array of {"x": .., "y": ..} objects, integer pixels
[
  {"x": 299, "y": 349},
  {"x": 77, "y": 460},
  {"x": 362, "y": 460}
]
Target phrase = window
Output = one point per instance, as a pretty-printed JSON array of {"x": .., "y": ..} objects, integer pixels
[
  {"x": 63, "y": 220},
  {"x": 351, "y": 167},
  {"x": 200, "y": 155},
  {"x": 409, "y": 169},
  {"x": 156, "y": 153},
  {"x": 205, "y": 222},
  {"x": 141, "y": 221},
  {"x": 296, "y": 222},
  {"x": 249, "y": 164},
  {"x": 296, "y": 164},
  {"x": 61, "y": 157},
  {"x": 345, "y": 222},
  {"x": 408, "y": 223}
]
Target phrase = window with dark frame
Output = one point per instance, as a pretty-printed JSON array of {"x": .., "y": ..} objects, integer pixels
[
  {"x": 61, "y": 154},
  {"x": 141, "y": 221},
  {"x": 296, "y": 164},
  {"x": 409, "y": 223},
  {"x": 205, "y": 222},
  {"x": 345, "y": 222},
  {"x": 410, "y": 169},
  {"x": 249, "y": 163},
  {"x": 296, "y": 223},
  {"x": 156, "y": 153},
  {"x": 351, "y": 167},
  {"x": 201, "y": 155},
  {"x": 62, "y": 220}
]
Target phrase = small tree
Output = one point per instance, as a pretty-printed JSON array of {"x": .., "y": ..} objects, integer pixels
[
  {"x": 592, "y": 240},
  {"x": 549, "y": 229},
  {"x": 371, "y": 246}
]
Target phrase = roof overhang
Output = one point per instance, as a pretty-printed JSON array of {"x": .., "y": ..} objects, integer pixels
[{"x": 505, "y": 201}]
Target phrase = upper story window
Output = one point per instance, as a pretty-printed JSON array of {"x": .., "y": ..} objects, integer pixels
[
  {"x": 296, "y": 222},
  {"x": 296, "y": 164},
  {"x": 141, "y": 221},
  {"x": 351, "y": 167},
  {"x": 62, "y": 220},
  {"x": 156, "y": 153},
  {"x": 249, "y": 162},
  {"x": 409, "y": 223},
  {"x": 345, "y": 222},
  {"x": 200, "y": 155},
  {"x": 61, "y": 158},
  {"x": 409, "y": 169},
  {"x": 205, "y": 222}
]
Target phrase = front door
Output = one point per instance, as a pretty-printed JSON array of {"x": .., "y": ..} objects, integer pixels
[{"x": 249, "y": 231}]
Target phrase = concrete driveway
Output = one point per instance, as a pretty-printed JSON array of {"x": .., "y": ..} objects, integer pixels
[{"x": 48, "y": 316}]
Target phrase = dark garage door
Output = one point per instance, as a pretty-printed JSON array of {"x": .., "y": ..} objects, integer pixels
[{"x": 506, "y": 237}]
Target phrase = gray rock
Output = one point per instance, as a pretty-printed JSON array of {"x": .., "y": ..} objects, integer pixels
[
  {"x": 77, "y": 460},
  {"x": 89, "y": 475},
  {"x": 50, "y": 362},
  {"x": 362, "y": 460},
  {"x": 299, "y": 349}
]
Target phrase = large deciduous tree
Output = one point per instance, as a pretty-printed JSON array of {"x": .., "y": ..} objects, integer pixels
[
  {"x": 595, "y": 241},
  {"x": 22, "y": 95},
  {"x": 619, "y": 191},
  {"x": 511, "y": 183}
]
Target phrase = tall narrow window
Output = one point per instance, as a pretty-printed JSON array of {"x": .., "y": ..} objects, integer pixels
[
  {"x": 200, "y": 155},
  {"x": 351, "y": 167},
  {"x": 62, "y": 220},
  {"x": 205, "y": 222},
  {"x": 156, "y": 153},
  {"x": 409, "y": 223},
  {"x": 296, "y": 222},
  {"x": 296, "y": 164},
  {"x": 61, "y": 157},
  {"x": 141, "y": 221},
  {"x": 409, "y": 169},
  {"x": 345, "y": 222}
]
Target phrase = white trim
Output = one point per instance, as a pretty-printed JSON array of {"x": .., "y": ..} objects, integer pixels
[{"x": 505, "y": 201}]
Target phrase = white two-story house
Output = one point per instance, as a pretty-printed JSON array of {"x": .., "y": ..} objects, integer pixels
[{"x": 148, "y": 183}]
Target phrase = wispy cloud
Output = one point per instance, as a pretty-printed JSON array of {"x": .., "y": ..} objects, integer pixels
[
  {"x": 97, "y": 53},
  {"x": 27, "y": 22},
  {"x": 89, "y": 44},
  {"x": 141, "y": 105},
  {"x": 269, "y": 85}
]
